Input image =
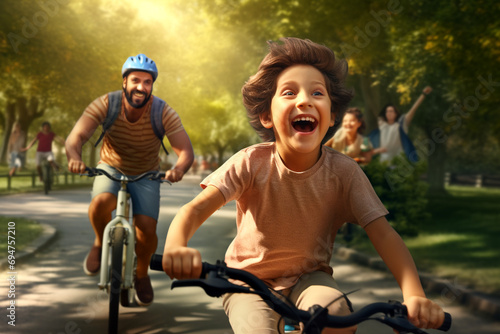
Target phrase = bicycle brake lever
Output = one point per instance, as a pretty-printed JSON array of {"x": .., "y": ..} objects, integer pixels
[
  {"x": 160, "y": 177},
  {"x": 213, "y": 286},
  {"x": 401, "y": 324}
]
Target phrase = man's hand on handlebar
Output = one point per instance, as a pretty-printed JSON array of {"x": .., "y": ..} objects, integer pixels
[
  {"x": 174, "y": 175},
  {"x": 76, "y": 166},
  {"x": 182, "y": 262}
]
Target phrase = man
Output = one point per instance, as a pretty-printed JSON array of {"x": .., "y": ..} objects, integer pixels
[{"x": 130, "y": 146}]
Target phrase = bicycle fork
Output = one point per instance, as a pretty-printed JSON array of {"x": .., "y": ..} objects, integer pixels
[{"x": 121, "y": 219}]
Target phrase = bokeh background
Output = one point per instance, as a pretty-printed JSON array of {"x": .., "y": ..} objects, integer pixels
[{"x": 56, "y": 56}]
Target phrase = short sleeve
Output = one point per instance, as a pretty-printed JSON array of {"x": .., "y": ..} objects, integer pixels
[
  {"x": 362, "y": 203},
  {"x": 171, "y": 121},
  {"x": 232, "y": 178}
]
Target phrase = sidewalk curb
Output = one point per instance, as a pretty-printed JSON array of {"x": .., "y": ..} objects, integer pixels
[
  {"x": 450, "y": 292},
  {"x": 49, "y": 233}
]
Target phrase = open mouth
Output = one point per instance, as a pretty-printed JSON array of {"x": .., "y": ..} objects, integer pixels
[
  {"x": 139, "y": 94},
  {"x": 304, "y": 124}
]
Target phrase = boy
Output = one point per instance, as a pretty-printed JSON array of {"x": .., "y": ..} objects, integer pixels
[
  {"x": 293, "y": 194},
  {"x": 44, "y": 150}
]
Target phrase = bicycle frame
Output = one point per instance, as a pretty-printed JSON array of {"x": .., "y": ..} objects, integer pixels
[{"x": 121, "y": 218}]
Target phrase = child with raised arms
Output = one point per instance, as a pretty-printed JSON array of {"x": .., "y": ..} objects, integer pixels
[{"x": 292, "y": 195}]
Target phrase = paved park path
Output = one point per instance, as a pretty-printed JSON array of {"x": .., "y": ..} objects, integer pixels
[{"x": 54, "y": 296}]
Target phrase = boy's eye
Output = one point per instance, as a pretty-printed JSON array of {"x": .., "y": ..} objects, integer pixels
[
  {"x": 317, "y": 93},
  {"x": 288, "y": 92}
]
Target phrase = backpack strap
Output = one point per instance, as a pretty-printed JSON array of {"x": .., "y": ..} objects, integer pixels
[
  {"x": 157, "y": 119},
  {"x": 114, "y": 106}
]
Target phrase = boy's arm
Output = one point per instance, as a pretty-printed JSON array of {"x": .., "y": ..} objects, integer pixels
[
  {"x": 180, "y": 261},
  {"x": 422, "y": 312},
  {"x": 30, "y": 145}
]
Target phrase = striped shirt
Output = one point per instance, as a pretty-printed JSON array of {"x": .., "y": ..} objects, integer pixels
[{"x": 132, "y": 147}]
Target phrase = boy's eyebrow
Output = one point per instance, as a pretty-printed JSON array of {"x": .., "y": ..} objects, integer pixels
[{"x": 294, "y": 81}]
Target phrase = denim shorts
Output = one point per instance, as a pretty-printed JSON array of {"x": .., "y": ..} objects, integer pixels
[
  {"x": 145, "y": 194},
  {"x": 16, "y": 160}
]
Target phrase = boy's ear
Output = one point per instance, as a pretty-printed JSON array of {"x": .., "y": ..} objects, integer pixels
[
  {"x": 332, "y": 120},
  {"x": 265, "y": 120}
]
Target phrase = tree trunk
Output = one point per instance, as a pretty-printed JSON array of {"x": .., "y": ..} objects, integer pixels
[
  {"x": 220, "y": 155},
  {"x": 27, "y": 113},
  {"x": 436, "y": 167},
  {"x": 371, "y": 96},
  {"x": 10, "y": 116}
]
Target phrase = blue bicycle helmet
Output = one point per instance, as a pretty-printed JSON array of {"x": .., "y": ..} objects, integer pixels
[{"x": 140, "y": 63}]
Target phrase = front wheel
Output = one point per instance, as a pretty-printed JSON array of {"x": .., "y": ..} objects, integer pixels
[
  {"x": 47, "y": 177},
  {"x": 116, "y": 278},
  {"x": 127, "y": 298}
]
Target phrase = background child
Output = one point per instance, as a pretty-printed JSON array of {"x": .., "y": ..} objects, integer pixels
[
  {"x": 16, "y": 143},
  {"x": 44, "y": 150},
  {"x": 349, "y": 138},
  {"x": 293, "y": 194}
]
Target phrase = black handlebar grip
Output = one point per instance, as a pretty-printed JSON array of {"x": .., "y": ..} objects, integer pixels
[
  {"x": 446, "y": 323},
  {"x": 155, "y": 263}
]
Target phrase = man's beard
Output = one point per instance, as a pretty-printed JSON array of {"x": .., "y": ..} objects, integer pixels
[{"x": 131, "y": 101}]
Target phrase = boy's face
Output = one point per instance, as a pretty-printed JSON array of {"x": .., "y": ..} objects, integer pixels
[
  {"x": 300, "y": 111},
  {"x": 46, "y": 128}
]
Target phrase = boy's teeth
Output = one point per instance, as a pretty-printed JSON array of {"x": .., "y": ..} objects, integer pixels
[{"x": 304, "y": 119}]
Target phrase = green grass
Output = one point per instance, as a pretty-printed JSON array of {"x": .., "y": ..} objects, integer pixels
[
  {"x": 23, "y": 181},
  {"x": 25, "y": 231},
  {"x": 461, "y": 241}
]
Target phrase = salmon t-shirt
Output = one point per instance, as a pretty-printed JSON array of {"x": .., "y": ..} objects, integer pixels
[{"x": 287, "y": 221}]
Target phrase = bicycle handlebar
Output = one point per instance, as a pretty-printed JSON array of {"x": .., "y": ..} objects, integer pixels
[
  {"x": 214, "y": 280},
  {"x": 157, "y": 176}
]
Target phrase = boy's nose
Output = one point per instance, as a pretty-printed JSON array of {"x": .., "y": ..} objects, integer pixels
[{"x": 303, "y": 101}]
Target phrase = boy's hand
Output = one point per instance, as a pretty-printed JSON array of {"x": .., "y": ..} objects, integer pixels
[
  {"x": 181, "y": 262},
  {"x": 424, "y": 313}
]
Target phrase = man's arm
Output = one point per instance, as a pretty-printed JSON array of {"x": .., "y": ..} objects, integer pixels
[
  {"x": 81, "y": 133},
  {"x": 181, "y": 144}
]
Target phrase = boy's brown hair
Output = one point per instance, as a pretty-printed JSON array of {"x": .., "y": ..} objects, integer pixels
[{"x": 259, "y": 90}]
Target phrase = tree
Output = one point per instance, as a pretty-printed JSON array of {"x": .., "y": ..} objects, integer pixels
[
  {"x": 438, "y": 44},
  {"x": 54, "y": 58}
]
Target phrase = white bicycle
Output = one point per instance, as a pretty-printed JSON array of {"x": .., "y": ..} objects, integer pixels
[{"x": 118, "y": 259}]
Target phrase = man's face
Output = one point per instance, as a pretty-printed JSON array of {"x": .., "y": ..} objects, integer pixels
[{"x": 138, "y": 87}]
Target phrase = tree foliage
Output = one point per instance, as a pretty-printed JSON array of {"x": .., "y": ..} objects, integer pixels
[{"x": 57, "y": 56}]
